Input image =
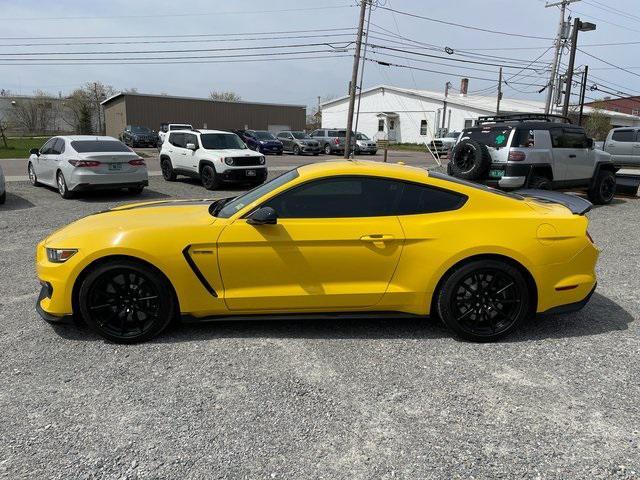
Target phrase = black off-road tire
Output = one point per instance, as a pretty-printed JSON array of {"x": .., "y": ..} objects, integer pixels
[
  {"x": 540, "y": 183},
  {"x": 167, "y": 170},
  {"x": 470, "y": 160},
  {"x": 603, "y": 188},
  {"x": 484, "y": 300},
  {"x": 126, "y": 301},
  {"x": 208, "y": 177}
]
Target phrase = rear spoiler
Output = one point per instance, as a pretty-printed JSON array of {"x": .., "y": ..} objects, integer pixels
[{"x": 577, "y": 205}]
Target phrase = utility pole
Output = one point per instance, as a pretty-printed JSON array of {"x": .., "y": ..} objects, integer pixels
[
  {"x": 577, "y": 27},
  {"x": 499, "y": 92},
  {"x": 444, "y": 104},
  {"x": 318, "y": 122},
  {"x": 354, "y": 79},
  {"x": 585, "y": 74},
  {"x": 558, "y": 46}
]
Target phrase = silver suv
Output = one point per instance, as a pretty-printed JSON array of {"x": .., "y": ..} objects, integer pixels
[
  {"x": 533, "y": 151},
  {"x": 332, "y": 140}
]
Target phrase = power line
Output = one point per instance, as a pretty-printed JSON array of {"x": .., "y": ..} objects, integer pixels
[
  {"x": 608, "y": 63},
  {"x": 469, "y": 27},
  {"x": 615, "y": 11}
]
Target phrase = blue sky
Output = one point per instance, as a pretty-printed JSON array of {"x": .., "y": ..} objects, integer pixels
[{"x": 301, "y": 81}]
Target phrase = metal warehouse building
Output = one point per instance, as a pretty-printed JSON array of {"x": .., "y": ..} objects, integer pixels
[{"x": 152, "y": 110}]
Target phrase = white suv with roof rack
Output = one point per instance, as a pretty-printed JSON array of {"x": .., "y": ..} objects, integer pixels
[{"x": 213, "y": 156}]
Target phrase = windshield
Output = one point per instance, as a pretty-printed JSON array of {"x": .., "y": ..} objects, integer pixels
[
  {"x": 300, "y": 135},
  {"x": 264, "y": 136},
  {"x": 221, "y": 141},
  {"x": 180, "y": 127},
  {"x": 140, "y": 130},
  {"x": 362, "y": 136},
  {"x": 86, "y": 146},
  {"x": 495, "y": 137},
  {"x": 253, "y": 195}
]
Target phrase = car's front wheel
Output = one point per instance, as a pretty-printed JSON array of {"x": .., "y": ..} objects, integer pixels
[
  {"x": 126, "y": 301},
  {"x": 603, "y": 188},
  {"x": 296, "y": 150},
  {"x": 484, "y": 300},
  {"x": 208, "y": 177}
]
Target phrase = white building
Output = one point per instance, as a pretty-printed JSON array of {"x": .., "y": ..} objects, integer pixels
[{"x": 406, "y": 115}]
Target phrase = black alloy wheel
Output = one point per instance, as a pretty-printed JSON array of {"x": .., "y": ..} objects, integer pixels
[
  {"x": 603, "y": 188},
  {"x": 126, "y": 302},
  {"x": 465, "y": 160},
  {"x": 208, "y": 177},
  {"x": 167, "y": 170},
  {"x": 484, "y": 300}
]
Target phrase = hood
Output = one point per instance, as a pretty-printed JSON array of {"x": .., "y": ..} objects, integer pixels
[
  {"x": 116, "y": 224},
  {"x": 239, "y": 152}
]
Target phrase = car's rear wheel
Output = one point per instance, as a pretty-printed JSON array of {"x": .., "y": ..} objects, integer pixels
[
  {"x": 33, "y": 178},
  {"x": 296, "y": 150},
  {"x": 484, "y": 300},
  {"x": 208, "y": 177},
  {"x": 167, "y": 170},
  {"x": 136, "y": 190},
  {"x": 63, "y": 190},
  {"x": 603, "y": 188},
  {"x": 126, "y": 302},
  {"x": 540, "y": 183}
]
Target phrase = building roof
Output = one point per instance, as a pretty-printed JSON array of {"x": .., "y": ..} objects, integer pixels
[
  {"x": 482, "y": 103},
  {"x": 135, "y": 94}
]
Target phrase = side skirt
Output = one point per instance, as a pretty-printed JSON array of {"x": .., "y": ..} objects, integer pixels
[{"x": 303, "y": 316}]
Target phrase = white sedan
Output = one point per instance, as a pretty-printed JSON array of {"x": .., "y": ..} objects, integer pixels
[{"x": 87, "y": 162}]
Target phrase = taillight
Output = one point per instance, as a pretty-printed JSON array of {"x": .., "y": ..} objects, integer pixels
[
  {"x": 517, "y": 156},
  {"x": 138, "y": 162},
  {"x": 84, "y": 163},
  {"x": 336, "y": 141}
]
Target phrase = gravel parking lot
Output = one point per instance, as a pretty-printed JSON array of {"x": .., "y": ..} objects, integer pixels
[{"x": 317, "y": 399}]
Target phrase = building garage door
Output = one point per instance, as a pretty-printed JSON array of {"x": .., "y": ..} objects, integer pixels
[{"x": 278, "y": 128}]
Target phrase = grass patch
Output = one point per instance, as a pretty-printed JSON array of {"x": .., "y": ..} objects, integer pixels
[{"x": 19, "y": 146}]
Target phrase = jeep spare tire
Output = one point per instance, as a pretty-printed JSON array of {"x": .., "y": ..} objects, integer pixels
[{"x": 470, "y": 160}]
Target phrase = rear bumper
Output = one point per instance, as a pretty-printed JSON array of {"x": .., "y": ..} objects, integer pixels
[
  {"x": 85, "y": 179},
  {"x": 571, "y": 307},
  {"x": 83, "y": 187}
]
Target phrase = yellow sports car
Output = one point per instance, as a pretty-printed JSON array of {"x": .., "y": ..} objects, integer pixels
[{"x": 344, "y": 238}]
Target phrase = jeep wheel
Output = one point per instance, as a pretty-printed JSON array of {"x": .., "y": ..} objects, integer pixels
[
  {"x": 540, "y": 183},
  {"x": 603, "y": 188},
  {"x": 208, "y": 177},
  {"x": 167, "y": 170},
  {"x": 470, "y": 160}
]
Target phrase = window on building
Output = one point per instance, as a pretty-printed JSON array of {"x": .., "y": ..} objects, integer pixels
[
  {"x": 392, "y": 124},
  {"x": 423, "y": 127},
  {"x": 381, "y": 125}
]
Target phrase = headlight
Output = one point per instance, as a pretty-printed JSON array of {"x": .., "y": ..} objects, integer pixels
[
  {"x": 60, "y": 255},
  {"x": 228, "y": 160},
  {"x": 261, "y": 160}
]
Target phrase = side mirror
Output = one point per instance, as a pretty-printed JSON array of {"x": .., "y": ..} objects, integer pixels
[
  {"x": 192, "y": 146},
  {"x": 34, "y": 151},
  {"x": 589, "y": 142},
  {"x": 263, "y": 216}
]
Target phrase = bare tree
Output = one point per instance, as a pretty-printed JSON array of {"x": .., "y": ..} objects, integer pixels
[
  {"x": 87, "y": 101},
  {"x": 224, "y": 96},
  {"x": 35, "y": 115}
]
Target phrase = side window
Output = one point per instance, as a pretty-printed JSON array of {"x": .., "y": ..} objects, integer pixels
[
  {"x": 339, "y": 197},
  {"x": 423, "y": 127},
  {"x": 523, "y": 138},
  {"x": 623, "y": 136},
  {"x": 575, "y": 139},
  {"x": 58, "y": 148},
  {"x": 418, "y": 199},
  {"x": 557, "y": 138},
  {"x": 190, "y": 138},
  {"x": 333, "y": 133},
  {"x": 177, "y": 139},
  {"x": 48, "y": 145}
]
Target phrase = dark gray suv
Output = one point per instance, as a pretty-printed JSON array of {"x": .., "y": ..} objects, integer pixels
[{"x": 298, "y": 143}]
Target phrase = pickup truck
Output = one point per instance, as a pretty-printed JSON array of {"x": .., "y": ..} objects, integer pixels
[{"x": 623, "y": 144}]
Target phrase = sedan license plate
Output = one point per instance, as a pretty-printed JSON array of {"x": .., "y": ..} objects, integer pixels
[
  {"x": 251, "y": 173},
  {"x": 115, "y": 167},
  {"x": 496, "y": 173}
]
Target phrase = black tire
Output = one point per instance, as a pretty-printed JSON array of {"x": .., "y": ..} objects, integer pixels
[
  {"x": 62, "y": 186},
  {"x": 126, "y": 302},
  {"x": 603, "y": 188},
  {"x": 484, "y": 300},
  {"x": 315, "y": 154},
  {"x": 208, "y": 177},
  {"x": 540, "y": 183},
  {"x": 296, "y": 150},
  {"x": 470, "y": 160},
  {"x": 327, "y": 149},
  {"x": 373, "y": 153},
  {"x": 136, "y": 190},
  {"x": 3, "y": 198},
  {"x": 167, "y": 170},
  {"x": 33, "y": 178}
]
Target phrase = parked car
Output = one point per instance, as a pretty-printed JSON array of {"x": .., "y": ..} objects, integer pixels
[
  {"x": 261, "y": 141},
  {"x": 332, "y": 140},
  {"x": 3, "y": 188},
  {"x": 365, "y": 145},
  {"x": 536, "y": 151},
  {"x": 139, "y": 136},
  {"x": 325, "y": 238},
  {"x": 79, "y": 163},
  {"x": 213, "y": 156},
  {"x": 443, "y": 145},
  {"x": 165, "y": 128},
  {"x": 623, "y": 144},
  {"x": 298, "y": 143}
]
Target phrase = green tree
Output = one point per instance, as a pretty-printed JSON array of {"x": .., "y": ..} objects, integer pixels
[{"x": 85, "y": 124}]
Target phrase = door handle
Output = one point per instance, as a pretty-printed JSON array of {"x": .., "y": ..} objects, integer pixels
[
  {"x": 377, "y": 237},
  {"x": 572, "y": 156}
]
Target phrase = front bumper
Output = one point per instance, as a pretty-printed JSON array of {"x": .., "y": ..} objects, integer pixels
[
  {"x": 243, "y": 175},
  {"x": 46, "y": 292},
  {"x": 56, "y": 279},
  {"x": 309, "y": 148},
  {"x": 270, "y": 149}
]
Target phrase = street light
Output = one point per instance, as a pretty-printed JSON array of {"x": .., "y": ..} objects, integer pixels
[{"x": 578, "y": 26}]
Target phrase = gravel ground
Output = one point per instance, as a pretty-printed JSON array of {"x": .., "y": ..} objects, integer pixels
[{"x": 340, "y": 399}]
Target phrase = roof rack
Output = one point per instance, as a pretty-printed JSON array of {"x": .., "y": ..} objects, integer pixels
[{"x": 523, "y": 117}]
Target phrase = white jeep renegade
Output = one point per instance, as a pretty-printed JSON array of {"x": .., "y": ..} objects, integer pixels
[{"x": 213, "y": 156}]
